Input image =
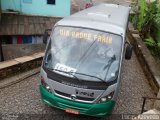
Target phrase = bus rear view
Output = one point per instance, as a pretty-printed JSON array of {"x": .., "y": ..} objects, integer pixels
[{"x": 81, "y": 69}]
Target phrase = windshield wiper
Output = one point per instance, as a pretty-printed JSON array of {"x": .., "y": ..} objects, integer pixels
[
  {"x": 68, "y": 73},
  {"x": 88, "y": 75},
  {"x": 110, "y": 61},
  {"x": 72, "y": 73}
]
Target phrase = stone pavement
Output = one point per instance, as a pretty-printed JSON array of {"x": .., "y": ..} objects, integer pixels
[
  {"x": 24, "y": 97},
  {"x": 81, "y": 4}
]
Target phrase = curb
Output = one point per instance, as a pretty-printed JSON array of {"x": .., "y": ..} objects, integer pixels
[
  {"x": 16, "y": 70},
  {"x": 18, "y": 78},
  {"x": 19, "y": 65},
  {"x": 148, "y": 63}
]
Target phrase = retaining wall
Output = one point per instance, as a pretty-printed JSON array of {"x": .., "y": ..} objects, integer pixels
[
  {"x": 148, "y": 63},
  {"x": 19, "y": 65},
  {"x": 12, "y": 51}
]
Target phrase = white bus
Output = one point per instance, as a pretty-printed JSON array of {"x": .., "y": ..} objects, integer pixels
[{"x": 81, "y": 68}]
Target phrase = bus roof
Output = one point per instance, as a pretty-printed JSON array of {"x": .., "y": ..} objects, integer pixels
[{"x": 107, "y": 17}]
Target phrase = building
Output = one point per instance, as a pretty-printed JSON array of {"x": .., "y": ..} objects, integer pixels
[
  {"x": 23, "y": 23},
  {"x": 58, "y": 8},
  {"x": 18, "y": 33}
]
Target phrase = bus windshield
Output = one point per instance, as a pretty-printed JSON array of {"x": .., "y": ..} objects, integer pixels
[{"x": 86, "y": 51}]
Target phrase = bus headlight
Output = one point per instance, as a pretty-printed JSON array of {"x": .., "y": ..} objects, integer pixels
[
  {"x": 107, "y": 98},
  {"x": 45, "y": 85}
]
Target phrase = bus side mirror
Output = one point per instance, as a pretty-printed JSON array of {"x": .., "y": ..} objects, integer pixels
[
  {"x": 128, "y": 53},
  {"x": 45, "y": 36}
]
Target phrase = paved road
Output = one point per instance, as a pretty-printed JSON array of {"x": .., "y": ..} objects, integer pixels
[{"x": 24, "y": 97}]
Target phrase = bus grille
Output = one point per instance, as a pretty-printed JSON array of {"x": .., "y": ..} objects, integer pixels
[{"x": 77, "y": 97}]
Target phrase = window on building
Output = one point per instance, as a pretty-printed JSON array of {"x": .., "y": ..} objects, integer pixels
[{"x": 52, "y": 2}]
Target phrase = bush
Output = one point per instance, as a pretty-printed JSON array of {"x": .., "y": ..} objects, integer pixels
[
  {"x": 153, "y": 46},
  {"x": 149, "y": 25}
]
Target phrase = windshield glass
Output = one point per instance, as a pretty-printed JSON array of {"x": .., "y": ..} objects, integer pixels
[{"x": 85, "y": 51}]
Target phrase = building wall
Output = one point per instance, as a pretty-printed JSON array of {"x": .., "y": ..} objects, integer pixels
[
  {"x": 10, "y": 4},
  {"x": 38, "y": 7},
  {"x": 12, "y": 47},
  {"x": 12, "y": 51}
]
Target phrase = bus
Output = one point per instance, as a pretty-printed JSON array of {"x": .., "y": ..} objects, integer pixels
[{"x": 81, "y": 68}]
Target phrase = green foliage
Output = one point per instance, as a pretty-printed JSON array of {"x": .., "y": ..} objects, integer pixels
[
  {"x": 150, "y": 13},
  {"x": 142, "y": 14},
  {"x": 150, "y": 42},
  {"x": 134, "y": 8},
  {"x": 154, "y": 46},
  {"x": 156, "y": 31},
  {"x": 158, "y": 44},
  {"x": 157, "y": 15},
  {"x": 149, "y": 25},
  {"x": 133, "y": 20}
]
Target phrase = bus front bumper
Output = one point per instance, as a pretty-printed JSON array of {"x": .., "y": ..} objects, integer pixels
[{"x": 97, "y": 110}]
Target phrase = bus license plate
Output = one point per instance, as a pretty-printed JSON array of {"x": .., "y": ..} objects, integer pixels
[{"x": 72, "y": 111}]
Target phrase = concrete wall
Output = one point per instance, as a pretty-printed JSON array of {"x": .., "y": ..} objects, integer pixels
[
  {"x": 147, "y": 61},
  {"x": 15, "y": 51},
  {"x": 10, "y": 4},
  {"x": 38, "y": 7},
  {"x": 19, "y": 65}
]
